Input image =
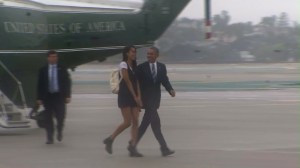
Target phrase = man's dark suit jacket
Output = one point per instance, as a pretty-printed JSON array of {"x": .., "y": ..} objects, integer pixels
[
  {"x": 64, "y": 83},
  {"x": 150, "y": 91}
]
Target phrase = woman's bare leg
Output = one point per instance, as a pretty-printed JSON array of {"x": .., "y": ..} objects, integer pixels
[
  {"x": 126, "y": 113},
  {"x": 135, "y": 125},
  {"x": 134, "y": 132}
]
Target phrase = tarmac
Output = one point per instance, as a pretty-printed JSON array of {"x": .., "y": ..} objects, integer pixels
[{"x": 223, "y": 116}]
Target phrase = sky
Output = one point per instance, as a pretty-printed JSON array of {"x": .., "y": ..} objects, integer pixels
[
  {"x": 245, "y": 10},
  {"x": 240, "y": 10}
]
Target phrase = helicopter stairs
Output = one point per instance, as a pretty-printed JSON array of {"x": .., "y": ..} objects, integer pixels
[{"x": 12, "y": 116}]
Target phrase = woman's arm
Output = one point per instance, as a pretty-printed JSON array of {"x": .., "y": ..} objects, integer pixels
[
  {"x": 138, "y": 88},
  {"x": 139, "y": 93}
]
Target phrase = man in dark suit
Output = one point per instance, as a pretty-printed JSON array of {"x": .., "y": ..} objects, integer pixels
[
  {"x": 151, "y": 75},
  {"x": 53, "y": 91}
]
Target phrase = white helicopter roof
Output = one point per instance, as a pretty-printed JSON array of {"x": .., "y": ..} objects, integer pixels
[{"x": 78, "y": 5}]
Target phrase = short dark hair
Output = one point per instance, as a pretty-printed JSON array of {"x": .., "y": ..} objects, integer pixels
[
  {"x": 155, "y": 49},
  {"x": 50, "y": 52}
]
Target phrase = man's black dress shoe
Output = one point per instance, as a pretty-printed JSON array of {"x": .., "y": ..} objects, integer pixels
[
  {"x": 49, "y": 142},
  {"x": 59, "y": 137},
  {"x": 167, "y": 152}
]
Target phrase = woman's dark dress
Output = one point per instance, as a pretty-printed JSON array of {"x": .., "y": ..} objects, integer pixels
[{"x": 125, "y": 98}]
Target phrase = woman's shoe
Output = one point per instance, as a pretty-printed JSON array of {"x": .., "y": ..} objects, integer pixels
[
  {"x": 108, "y": 144},
  {"x": 133, "y": 152}
]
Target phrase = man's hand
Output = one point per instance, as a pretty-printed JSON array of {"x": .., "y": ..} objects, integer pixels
[
  {"x": 173, "y": 93},
  {"x": 68, "y": 100},
  {"x": 39, "y": 102}
]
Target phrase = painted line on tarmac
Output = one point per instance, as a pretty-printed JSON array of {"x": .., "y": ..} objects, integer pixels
[
  {"x": 214, "y": 104},
  {"x": 92, "y": 108},
  {"x": 182, "y": 106},
  {"x": 256, "y": 150}
]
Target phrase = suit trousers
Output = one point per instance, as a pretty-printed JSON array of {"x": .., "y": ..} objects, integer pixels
[
  {"x": 54, "y": 107},
  {"x": 151, "y": 117}
]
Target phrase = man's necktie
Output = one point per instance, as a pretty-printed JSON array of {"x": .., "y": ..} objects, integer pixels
[
  {"x": 53, "y": 84},
  {"x": 153, "y": 72}
]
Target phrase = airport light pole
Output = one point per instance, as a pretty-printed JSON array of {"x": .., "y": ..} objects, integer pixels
[{"x": 208, "y": 19}]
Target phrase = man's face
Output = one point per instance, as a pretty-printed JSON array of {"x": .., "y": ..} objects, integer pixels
[
  {"x": 151, "y": 55},
  {"x": 52, "y": 59}
]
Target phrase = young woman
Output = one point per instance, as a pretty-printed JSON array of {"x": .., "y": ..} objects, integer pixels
[{"x": 129, "y": 101}]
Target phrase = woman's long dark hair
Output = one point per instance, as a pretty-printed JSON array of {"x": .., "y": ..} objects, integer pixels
[{"x": 125, "y": 56}]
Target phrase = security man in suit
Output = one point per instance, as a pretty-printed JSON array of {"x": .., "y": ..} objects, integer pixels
[
  {"x": 151, "y": 75},
  {"x": 54, "y": 92}
]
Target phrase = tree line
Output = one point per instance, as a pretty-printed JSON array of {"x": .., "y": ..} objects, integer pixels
[{"x": 274, "y": 39}]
